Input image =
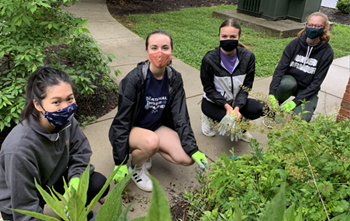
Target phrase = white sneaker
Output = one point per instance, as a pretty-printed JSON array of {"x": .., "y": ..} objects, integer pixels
[
  {"x": 148, "y": 164},
  {"x": 141, "y": 179},
  {"x": 207, "y": 127},
  {"x": 246, "y": 137}
]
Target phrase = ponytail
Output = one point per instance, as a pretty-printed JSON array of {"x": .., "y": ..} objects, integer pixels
[{"x": 36, "y": 89}]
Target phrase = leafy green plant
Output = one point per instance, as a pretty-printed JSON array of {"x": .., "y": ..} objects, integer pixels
[
  {"x": 313, "y": 158},
  {"x": 74, "y": 202},
  {"x": 30, "y": 30},
  {"x": 343, "y": 6},
  {"x": 87, "y": 120}
]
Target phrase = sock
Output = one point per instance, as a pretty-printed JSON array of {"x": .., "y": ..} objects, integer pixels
[{"x": 132, "y": 165}]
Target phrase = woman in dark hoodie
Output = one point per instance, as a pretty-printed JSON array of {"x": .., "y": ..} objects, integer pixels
[{"x": 302, "y": 69}]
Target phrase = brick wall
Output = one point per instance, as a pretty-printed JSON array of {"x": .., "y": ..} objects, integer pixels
[{"x": 344, "y": 111}]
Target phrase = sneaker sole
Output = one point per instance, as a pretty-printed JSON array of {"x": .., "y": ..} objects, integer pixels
[{"x": 209, "y": 135}]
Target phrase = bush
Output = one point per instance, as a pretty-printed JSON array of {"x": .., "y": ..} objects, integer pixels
[
  {"x": 74, "y": 202},
  {"x": 313, "y": 158},
  {"x": 343, "y": 6},
  {"x": 29, "y": 30}
]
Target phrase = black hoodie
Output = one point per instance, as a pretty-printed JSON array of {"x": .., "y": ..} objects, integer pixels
[{"x": 307, "y": 64}]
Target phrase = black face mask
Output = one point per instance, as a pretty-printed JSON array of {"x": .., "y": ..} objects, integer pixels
[{"x": 228, "y": 45}]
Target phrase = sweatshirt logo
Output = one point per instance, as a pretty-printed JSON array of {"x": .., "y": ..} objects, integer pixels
[
  {"x": 307, "y": 65},
  {"x": 67, "y": 143}
]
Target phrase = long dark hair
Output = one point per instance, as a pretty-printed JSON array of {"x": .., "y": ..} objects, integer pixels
[
  {"x": 232, "y": 23},
  {"x": 36, "y": 88},
  {"x": 162, "y": 33}
]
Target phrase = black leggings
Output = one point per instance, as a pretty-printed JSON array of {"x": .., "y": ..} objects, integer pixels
[
  {"x": 97, "y": 180},
  {"x": 252, "y": 110}
]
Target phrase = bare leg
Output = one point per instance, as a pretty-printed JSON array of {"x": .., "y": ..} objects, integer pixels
[
  {"x": 170, "y": 147},
  {"x": 143, "y": 145}
]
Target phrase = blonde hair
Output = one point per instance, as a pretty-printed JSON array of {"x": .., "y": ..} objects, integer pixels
[{"x": 325, "y": 35}]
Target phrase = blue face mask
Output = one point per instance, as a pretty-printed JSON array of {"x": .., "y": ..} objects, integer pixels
[
  {"x": 61, "y": 117},
  {"x": 313, "y": 33}
]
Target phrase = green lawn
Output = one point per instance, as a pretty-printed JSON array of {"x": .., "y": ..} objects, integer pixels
[{"x": 195, "y": 32}]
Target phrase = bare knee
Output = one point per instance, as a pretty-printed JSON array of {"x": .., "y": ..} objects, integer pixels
[{"x": 151, "y": 145}]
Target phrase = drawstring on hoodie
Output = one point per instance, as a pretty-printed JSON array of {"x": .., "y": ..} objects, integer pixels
[{"x": 308, "y": 53}]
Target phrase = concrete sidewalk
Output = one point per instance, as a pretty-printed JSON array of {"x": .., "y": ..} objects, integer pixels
[{"x": 130, "y": 48}]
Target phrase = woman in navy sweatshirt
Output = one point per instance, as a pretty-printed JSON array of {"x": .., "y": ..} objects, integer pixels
[
  {"x": 302, "y": 69},
  {"x": 47, "y": 145}
]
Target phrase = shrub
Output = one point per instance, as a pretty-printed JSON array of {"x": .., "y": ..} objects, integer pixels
[
  {"x": 313, "y": 158},
  {"x": 29, "y": 30},
  {"x": 74, "y": 202},
  {"x": 343, "y": 6}
]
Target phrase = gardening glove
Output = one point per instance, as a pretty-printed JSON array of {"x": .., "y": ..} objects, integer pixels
[
  {"x": 202, "y": 161},
  {"x": 234, "y": 129},
  {"x": 288, "y": 106},
  {"x": 73, "y": 183},
  {"x": 122, "y": 172},
  {"x": 236, "y": 132},
  {"x": 274, "y": 102},
  {"x": 225, "y": 124}
]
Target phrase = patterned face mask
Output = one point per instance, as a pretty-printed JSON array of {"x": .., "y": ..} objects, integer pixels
[
  {"x": 61, "y": 117},
  {"x": 313, "y": 33}
]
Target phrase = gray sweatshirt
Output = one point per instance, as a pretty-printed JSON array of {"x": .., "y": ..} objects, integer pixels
[{"x": 29, "y": 152}]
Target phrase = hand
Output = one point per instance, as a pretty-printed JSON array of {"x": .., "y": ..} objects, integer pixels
[
  {"x": 288, "y": 106},
  {"x": 122, "y": 172},
  {"x": 225, "y": 124},
  {"x": 236, "y": 113},
  {"x": 274, "y": 102},
  {"x": 202, "y": 161}
]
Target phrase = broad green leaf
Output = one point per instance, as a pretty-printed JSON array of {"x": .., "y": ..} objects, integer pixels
[
  {"x": 35, "y": 214},
  {"x": 159, "y": 209},
  {"x": 289, "y": 213},
  {"x": 112, "y": 208},
  {"x": 54, "y": 205},
  {"x": 84, "y": 22},
  {"x": 275, "y": 209}
]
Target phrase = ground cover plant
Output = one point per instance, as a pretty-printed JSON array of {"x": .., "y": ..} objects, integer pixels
[
  {"x": 37, "y": 33},
  {"x": 73, "y": 202},
  {"x": 192, "y": 39},
  {"x": 312, "y": 158}
]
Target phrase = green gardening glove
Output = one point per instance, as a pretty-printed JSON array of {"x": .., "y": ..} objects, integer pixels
[
  {"x": 122, "y": 172},
  {"x": 288, "y": 106},
  {"x": 73, "y": 183},
  {"x": 274, "y": 101},
  {"x": 202, "y": 161}
]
